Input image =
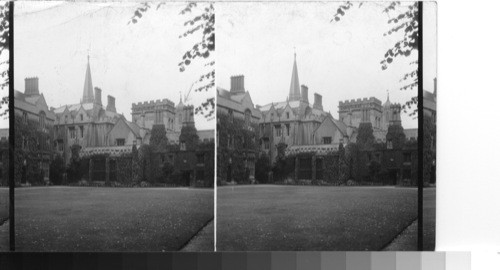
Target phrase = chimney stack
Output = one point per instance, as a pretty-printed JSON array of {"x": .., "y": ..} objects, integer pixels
[
  {"x": 318, "y": 102},
  {"x": 305, "y": 93},
  {"x": 98, "y": 92},
  {"x": 31, "y": 86},
  {"x": 237, "y": 84},
  {"x": 111, "y": 104}
]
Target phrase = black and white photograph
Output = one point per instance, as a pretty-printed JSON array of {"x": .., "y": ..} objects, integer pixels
[
  {"x": 317, "y": 126},
  {"x": 4, "y": 127},
  {"x": 115, "y": 126}
]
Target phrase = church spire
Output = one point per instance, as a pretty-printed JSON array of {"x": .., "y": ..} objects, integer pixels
[
  {"x": 294, "y": 84},
  {"x": 88, "y": 89},
  {"x": 387, "y": 102}
]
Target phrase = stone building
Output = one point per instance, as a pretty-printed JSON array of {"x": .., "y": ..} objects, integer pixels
[
  {"x": 92, "y": 125},
  {"x": 34, "y": 131},
  {"x": 310, "y": 133},
  {"x": 235, "y": 110},
  {"x": 301, "y": 125}
]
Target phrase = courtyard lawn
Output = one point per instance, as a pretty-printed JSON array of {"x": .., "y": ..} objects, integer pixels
[
  {"x": 429, "y": 220},
  {"x": 109, "y": 219},
  {"x": 268, "y": 217}
]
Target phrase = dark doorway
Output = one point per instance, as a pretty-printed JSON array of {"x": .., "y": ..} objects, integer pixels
[
  {"x": 319, "y": 169},
  {"x": 392, "y": 177},
  {"x": 229, "y": 172},
  {"x": 99, "y": 169},
  {"x": 112, "y": 170},
  {"x": 186, "y": 178},
  {"x": 305, "y": 168}
]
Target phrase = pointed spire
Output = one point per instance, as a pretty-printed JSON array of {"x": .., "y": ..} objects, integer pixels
[
  {"x": 88, "y": 89},
  {"x": 294, "y": 84},
  {"x": 388, "y": 102}
]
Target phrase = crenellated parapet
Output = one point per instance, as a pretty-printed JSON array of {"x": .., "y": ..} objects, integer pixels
[
  {"x": 153, "y": 105},
  {"x": 358, "y": 104}
]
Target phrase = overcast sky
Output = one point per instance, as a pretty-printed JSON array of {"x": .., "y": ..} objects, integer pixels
[
  {"x": 132, "y": 62},
  {"x": 337, "y": 60}
]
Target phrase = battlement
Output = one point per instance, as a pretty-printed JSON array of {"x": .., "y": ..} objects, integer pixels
[
  {"x": 153, "y": 104},
  {"x": 359, "y": 101},
  {"x": 395, "y": 106}
]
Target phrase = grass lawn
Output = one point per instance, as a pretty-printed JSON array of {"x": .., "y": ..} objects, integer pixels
[
  {"x": 267, "y": 217},
  {"x": 429, "y": 218},
  {"x": 109, "y": 219}
]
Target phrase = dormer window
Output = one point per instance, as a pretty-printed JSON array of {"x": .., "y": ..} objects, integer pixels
[
  {"x": 120, "y": 142},
  {"x": 81, "y": 117},
  {"x": 287, "y": 115}
]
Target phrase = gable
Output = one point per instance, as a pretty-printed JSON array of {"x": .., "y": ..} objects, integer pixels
[
  {"x": 120, "y": 131},
  {"x": 328, "y": 128},
  {"x": 288, "y": 110}
]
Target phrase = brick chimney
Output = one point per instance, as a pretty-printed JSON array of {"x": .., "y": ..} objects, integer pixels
[
  {"x": 111, "y": 104},
  {"x": 318, "y": 101},
  {"x": 304, "y": 93},
  {"x": 98, "y": 94},
  {"x": 31, "y": 86},
  {"x": 237, "y": 84}
]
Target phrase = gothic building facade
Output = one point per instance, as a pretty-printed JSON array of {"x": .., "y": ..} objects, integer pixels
[
  {"x": 304, "y": 126},
  {"x": 34, "y": 133}
]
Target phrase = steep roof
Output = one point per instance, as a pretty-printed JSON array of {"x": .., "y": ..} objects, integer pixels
[
  {"x": 294, "y": 83},
  {"x": 133, "y": 127},
  {"x": 32, "y": 103},
  {"x": 88, "y": 89},
  {"x": 236, "y": 102}
]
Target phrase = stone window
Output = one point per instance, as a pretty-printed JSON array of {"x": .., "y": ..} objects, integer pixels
[
  {"x": 183, "y": 146},
  {"x": 120, "y": 142},
  {"x": 278, "y": 130},
  {"x": 248, "y": 116},
  {"x": 81, "y": 131},
  {"x": 230, "y": 112},
  {"x": 60, "y": 145},
  {"x": 72, "y": 132},
  {"x": 389, "y": 144},
  {"x": 81, "y": 117},
  {"x": 42, "y": 119},
  {"x": 287, "y": 129},
  {"x": 327, "y": 140},
  {"x": 266, "y": 143},
  {"x": 287, "y": 115}
]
